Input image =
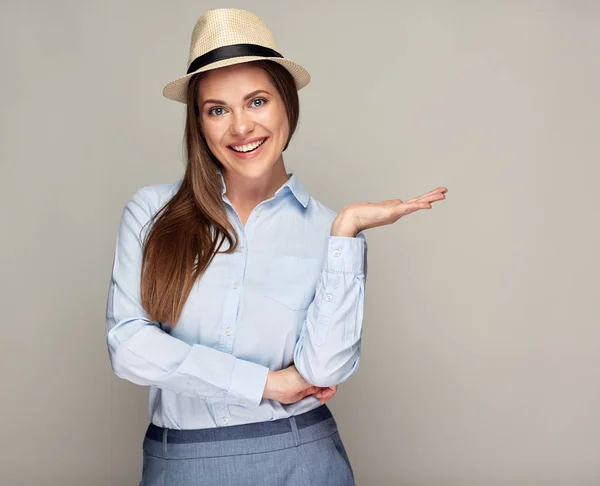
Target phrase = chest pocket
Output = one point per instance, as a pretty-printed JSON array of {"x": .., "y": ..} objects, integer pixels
[{"x": 292, "y": 281}]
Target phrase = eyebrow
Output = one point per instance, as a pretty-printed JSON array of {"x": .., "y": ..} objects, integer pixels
[{"x": 246, "y": 98}]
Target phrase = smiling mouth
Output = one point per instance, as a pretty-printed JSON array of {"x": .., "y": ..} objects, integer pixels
[{"x": 246, "y": 149}]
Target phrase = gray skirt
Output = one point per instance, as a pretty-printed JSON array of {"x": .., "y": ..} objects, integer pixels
[{"x": 298, "y": 451}]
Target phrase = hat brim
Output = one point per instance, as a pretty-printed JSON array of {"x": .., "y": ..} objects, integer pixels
[{"x": 176, "y": 90}]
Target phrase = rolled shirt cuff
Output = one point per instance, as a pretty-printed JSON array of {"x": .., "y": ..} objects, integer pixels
[{"x": 344, "y": 254}]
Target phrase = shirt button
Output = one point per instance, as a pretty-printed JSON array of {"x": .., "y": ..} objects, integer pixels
[
  {"x": 257, "y": 214},
  {"x": 328, "y": 297},
  {"x": 225, "y": 420},
  {"x": 228, "y": 331},
  {"x": 337, "y": 253},
  {"x": 242, "y": 249},
  {"x": 235, "y": 285}
]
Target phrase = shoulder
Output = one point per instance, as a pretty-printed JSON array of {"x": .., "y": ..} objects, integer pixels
[
  {"x": 143, "y": 205},
  {"x": 317, "y": 209},
  {"x": 317, "y": 216},
  {"x": 323, "y": 216},
  {"x": 153, "y": 197}
]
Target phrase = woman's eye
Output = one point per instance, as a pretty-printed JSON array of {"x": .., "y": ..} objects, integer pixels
[
  {"x": 215, "y": 109},
  {"x": 218, "y": 110}
]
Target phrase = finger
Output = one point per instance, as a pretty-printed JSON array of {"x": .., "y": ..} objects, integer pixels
[
  {"x": 326, "y": 397},
  {"x": 435, "y": 193},
  {"x": 438, "y": 196},
  {"x": 325, "y": 390},
  {"x": 441, "y": 190},
  {"x": 325, "y": 393}
]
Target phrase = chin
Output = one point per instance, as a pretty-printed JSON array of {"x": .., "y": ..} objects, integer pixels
[{"x": 254, "y": 169}]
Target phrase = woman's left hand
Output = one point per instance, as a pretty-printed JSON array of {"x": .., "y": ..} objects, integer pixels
[{"x": 357, "y": 217}]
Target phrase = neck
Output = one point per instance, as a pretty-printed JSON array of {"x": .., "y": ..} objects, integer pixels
[{"x": 245, "y": 194}]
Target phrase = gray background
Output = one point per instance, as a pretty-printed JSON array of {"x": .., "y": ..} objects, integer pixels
[{"x": 481, "y": 343}]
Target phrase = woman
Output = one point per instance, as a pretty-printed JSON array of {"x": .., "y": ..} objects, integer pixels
[{"x": 235, "y": 296}]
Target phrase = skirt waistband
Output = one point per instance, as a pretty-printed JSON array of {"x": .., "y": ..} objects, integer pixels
[
  {"x": 249, "y": 438},
  {"x": 242, "y": 431}
]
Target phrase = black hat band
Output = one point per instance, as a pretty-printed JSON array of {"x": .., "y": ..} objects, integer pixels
[{"x": 227, "y": 52}]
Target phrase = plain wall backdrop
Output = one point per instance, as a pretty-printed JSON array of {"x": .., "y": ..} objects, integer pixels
[{"x": 481, "y": 345}]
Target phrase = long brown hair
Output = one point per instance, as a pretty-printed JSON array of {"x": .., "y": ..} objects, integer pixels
[{"x": 191, "y": 228}]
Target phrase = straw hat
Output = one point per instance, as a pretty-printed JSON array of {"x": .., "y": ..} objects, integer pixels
[{"x": 226, "y": 36}]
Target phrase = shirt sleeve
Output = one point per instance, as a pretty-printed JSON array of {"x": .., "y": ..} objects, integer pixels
[
  {"x": 143, "y": 353},
  {"x": 328, "y": 349}
]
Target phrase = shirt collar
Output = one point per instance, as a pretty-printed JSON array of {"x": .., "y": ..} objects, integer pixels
[{"x": 293, "y": 184}]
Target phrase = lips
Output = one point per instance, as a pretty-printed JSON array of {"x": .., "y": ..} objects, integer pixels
[
  {"x": 248, "y": 146},
  {"x": 254, "y": 148}
]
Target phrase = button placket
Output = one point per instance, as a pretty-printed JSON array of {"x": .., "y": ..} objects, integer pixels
[{"x": 232, "y": 301}]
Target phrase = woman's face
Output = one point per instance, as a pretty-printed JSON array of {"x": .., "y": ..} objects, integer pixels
[{"x": 243, "y": 119}]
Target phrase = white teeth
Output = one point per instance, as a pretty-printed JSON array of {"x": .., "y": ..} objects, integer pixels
[{"x": 247, "y": 148}]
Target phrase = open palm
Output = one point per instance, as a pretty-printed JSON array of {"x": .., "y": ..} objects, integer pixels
[{"x": 367, "y": 215}]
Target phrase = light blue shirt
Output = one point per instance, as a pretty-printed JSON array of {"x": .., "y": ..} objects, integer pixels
[{"x": 290, "y": 294}]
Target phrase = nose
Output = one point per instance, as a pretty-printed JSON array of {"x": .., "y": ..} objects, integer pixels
[{"x": 241, "y": 123}]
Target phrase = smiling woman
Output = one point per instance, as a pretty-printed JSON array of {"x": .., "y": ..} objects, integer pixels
[
  {"x": 235, "y": 295},
  {"x": 243, "y": 117}
]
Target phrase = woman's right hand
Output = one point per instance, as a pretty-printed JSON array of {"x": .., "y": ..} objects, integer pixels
[{"x": 288, "y": 386}]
